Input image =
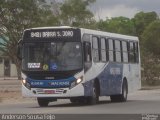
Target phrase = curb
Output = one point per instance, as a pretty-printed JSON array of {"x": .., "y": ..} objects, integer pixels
[{"x": 150, "y": 88}]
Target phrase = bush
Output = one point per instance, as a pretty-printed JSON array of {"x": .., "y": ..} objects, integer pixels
[{"x": 151, "y": 69}]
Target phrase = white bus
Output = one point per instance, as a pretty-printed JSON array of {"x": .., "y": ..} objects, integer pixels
[{"x": 78, "y": 64}]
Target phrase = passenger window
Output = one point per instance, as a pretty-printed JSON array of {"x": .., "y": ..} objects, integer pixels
[
  {"x": 124, "y": 51},
  {"x": 87, "y": 52},
  {"x": 136, "y": 53},
  {"x": 111, "y": 55},
  {"x": 110, "y": 41},
  {"x": 118, "y": 51},
  {"x": 103, "y": 49},
  {"x": 96, "y": 55},
  {"x": 131, "y": 52},
  {"x": 87, "y": 55}
]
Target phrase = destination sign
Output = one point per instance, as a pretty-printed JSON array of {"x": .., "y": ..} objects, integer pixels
[
  {"x": 41, "y": 35},
  {"x": 49, "y": 34}
]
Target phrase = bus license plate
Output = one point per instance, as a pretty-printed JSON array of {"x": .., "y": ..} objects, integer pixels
[{"x": 49, "y": 91}]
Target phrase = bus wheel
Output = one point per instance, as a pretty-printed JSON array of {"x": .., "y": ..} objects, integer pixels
[
  {"x": 73, "y": 100},
  {"x": 43, "y": 102},
  {"x": 95, "y": 97},
  {"x": 122, "y": 97}
]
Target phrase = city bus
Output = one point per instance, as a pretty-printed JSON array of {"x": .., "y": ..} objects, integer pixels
[{"x": 78, "y": 64}]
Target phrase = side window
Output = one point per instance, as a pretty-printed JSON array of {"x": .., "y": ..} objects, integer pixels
[
  {"x": 111, "y": 50},
  {"x": 118, "y": 51},
  {"x": 87, "y": 52},
  {"x": 136, "y": 53},
  {"x": 96, "y": 55},
  {"x": 131, "y": 52},
  {"x": 124, "y": 51},
  {"x": 103, "y": 49}
]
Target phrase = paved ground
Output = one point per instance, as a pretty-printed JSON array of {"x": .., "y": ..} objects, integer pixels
[
  {"x": 140, "y": 102},
  {"x": 143, "y": 101}
]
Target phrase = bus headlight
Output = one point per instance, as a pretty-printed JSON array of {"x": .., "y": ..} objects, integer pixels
[
  {"x": 26, "y": 84},
  {"x": 24, "y": 81},
  {"x": 78, "y": 81}
]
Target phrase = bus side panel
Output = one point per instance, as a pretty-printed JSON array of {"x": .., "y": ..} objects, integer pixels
[
  {"x": 88, "y": 88},
  {"x": 111, "y": 79},
  {"x": 132, "y": 73}
]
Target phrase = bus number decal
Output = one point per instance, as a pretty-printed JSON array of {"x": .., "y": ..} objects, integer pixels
[{"x": 67, "y": 33}]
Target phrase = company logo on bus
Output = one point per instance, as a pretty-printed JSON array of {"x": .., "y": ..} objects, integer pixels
[
  {"x": 115, "y": 71},
  {"x": 50, "y": 78},
  {"x": 59, "y": 83}
]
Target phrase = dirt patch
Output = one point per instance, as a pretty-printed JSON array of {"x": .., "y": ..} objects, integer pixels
[
  {"x": 10, "y": 94},
  {"x": 13, "y": 97}
]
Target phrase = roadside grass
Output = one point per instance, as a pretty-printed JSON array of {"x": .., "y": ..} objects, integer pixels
[
  {"x": 150, "y": 86},
  {"x": 153, "y": 84}
]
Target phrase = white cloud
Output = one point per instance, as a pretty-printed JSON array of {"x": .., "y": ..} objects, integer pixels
[
  {"x": 127, "y": 8},
  {"x": 114, "y": 11}
]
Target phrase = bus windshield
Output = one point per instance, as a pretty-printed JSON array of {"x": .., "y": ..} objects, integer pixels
[{"x": 52, "y": 56}]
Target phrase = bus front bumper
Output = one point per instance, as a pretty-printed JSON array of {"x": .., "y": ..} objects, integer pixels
[{"x": 55, "y": 92}]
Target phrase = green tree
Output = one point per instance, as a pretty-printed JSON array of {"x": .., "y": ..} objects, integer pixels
[
  {"x": 76, "y": 13},
  {"x": 17, "y": 15},
  {"x": 121, "y": 25},
  {"x": 151, "y": 52},
  {"x": 142, "y": 20},
  {"x": 151, "y": 38}
]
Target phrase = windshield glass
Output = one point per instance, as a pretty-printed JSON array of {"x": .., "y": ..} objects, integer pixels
[{"x": 54, "y": 56}]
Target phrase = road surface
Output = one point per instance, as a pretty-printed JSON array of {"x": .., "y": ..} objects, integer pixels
[{"x": 140, "y": 102}]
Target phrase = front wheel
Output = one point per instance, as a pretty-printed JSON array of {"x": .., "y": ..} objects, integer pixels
[
  {"x": 43, "y": 102},
  {"x": 95, "y": 97}
]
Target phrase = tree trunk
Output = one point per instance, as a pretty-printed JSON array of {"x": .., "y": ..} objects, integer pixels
[
  {"x": 18, "y": 66},
  {"x": 19, "y": 72}
]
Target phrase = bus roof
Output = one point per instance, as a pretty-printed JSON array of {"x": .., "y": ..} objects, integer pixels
[
  {"x": 109, "y": 34},
  {"x": 93, "y": 32}
]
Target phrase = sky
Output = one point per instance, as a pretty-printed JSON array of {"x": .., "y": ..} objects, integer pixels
[{"x": 126, "y": 8}]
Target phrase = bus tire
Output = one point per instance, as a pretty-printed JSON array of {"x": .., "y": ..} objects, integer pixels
[
  {"x": 73, "y": 100},
  {"x": 95, "y": 97},
  {"x": 42, "y": 102},
  {"x": 122, "y": 97}
]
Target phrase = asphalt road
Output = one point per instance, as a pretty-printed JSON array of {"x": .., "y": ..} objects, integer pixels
[{"x": 140, "y": 102}]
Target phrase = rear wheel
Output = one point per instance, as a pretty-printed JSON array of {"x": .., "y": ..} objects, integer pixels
[
  {"x": 122, "y": 97},
  {"x": 43, "y": 102}
]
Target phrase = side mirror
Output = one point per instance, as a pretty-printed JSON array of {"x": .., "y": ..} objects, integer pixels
[{"x": 19, "y": 50}]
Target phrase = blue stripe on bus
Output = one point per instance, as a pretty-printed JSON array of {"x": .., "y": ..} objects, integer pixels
[
  {"x": 110, "y": 80},
  {"x": 61, "y": 83}
]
